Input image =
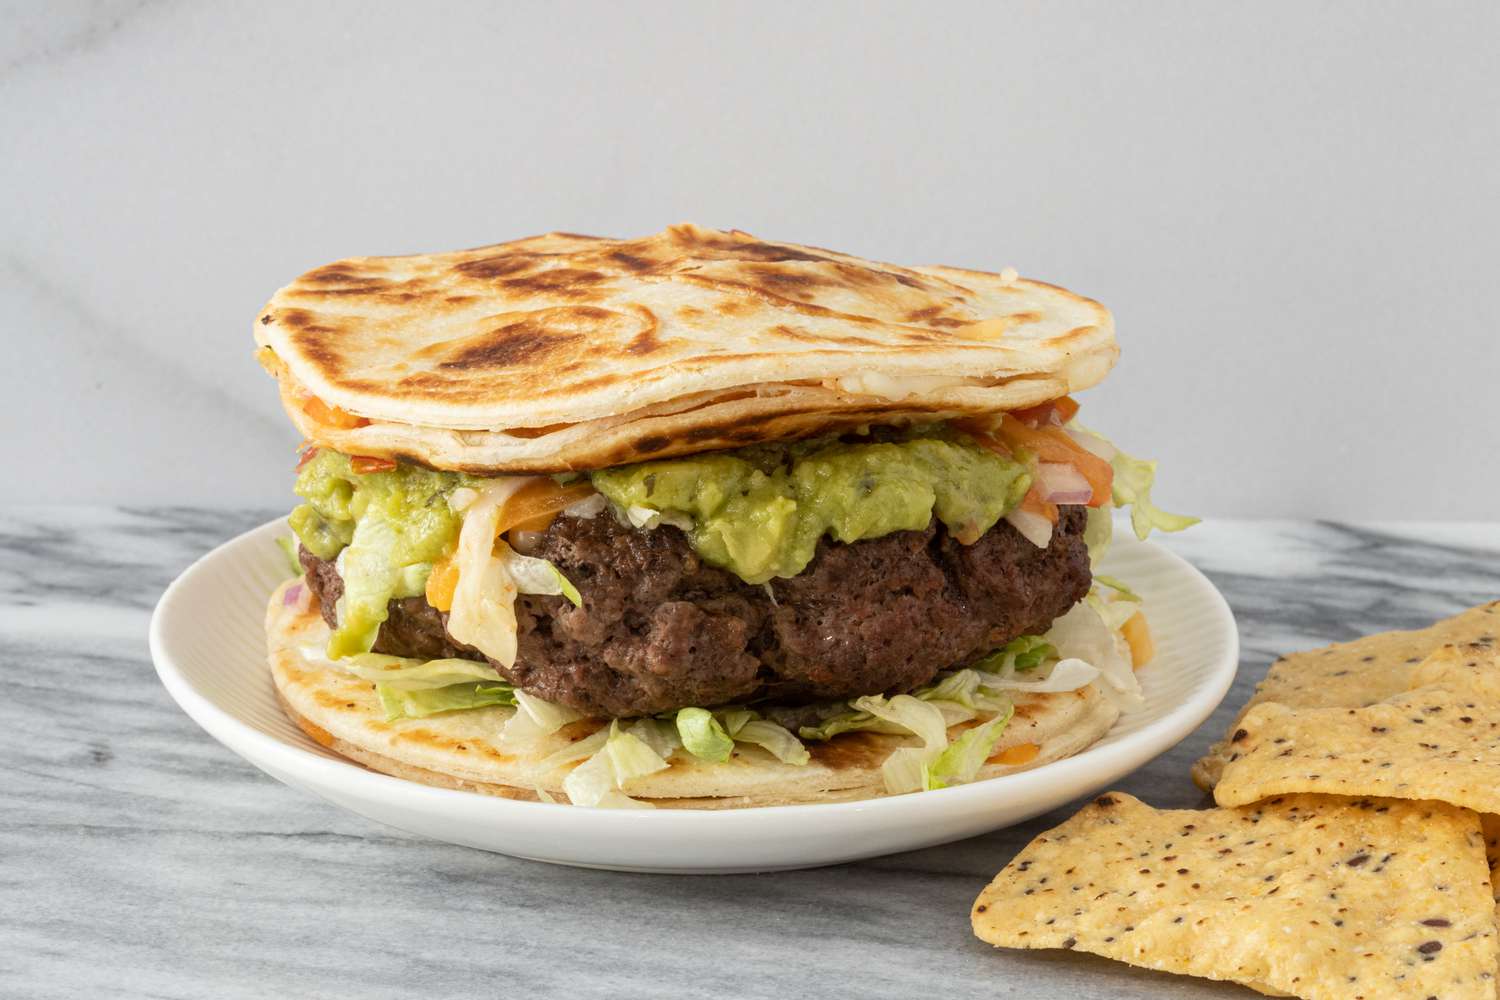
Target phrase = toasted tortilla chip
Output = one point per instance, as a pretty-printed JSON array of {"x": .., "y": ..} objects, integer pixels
[
  {"x": 1438, "y": 741},
  {"x": 1311, "y": 895},
  {"x": 1491, "y": 826},
  {"x": 1350, "y": 675},
  {"x": 1474, "y": 666}
]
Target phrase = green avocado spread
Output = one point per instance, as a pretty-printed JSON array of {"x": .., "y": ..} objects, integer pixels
[
  {"x": 385, "y": 529},
  {"x": 759, "y": 512}
]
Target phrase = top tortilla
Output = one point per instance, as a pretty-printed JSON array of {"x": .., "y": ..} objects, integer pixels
[{"x": 564, "y": 351}]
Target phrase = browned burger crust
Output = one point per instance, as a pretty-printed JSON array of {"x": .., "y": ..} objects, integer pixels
[{"x": 661, "y": 630}]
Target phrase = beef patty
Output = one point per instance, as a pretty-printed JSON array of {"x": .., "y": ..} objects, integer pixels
[{"x": 660, "y": 630}]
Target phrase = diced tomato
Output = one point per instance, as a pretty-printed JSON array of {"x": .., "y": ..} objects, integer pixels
[
  {"x": 441, "y": 583},
  {"x": 533, "y": 506},
  {"x": 1052, "y": 444},
  {"x": 1034, "y": 503},
  {"x": 993, "y": 443},
  {"x": 1138, "y": 636},
  {"x": 366, "y": 464},
  {"x": 331, "y": 415},
  {"x": 308, "y": 453},
  {"x": 1055, "y": 411}
]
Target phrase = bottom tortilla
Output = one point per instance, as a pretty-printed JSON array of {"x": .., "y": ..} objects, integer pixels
[{"x": 462, "y": 750}]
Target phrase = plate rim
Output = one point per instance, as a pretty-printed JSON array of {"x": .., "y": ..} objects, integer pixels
[{"x": 247, "y": 741}]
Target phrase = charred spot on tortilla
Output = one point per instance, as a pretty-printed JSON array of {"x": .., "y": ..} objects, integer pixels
[{"x": 524, "y": 340}]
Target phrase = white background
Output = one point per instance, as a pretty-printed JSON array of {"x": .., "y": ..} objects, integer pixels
[{"x": 1292, "y": 208}]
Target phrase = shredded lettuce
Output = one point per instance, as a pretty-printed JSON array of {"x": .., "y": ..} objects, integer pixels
[
  {"x": 599, "y": 780},
  {"x": 905, "y": 769},
  {"x": 650, "y": 518},
  {"x": 774, "y": 739},
  {"x": 288, "y": 546},
  {"x": 734, "y": 719},
  {"x": 958, "y": 696},
  {"x": 658, "y": 735},
  {"x": 1082, "y": 647},
  {"x": 549, "y": 716},
  {"x": 631, "y": 756},
  {"x": 711, "y": 736},
  {"x": 1115, "y": 613},
  {"x": 538, "y": 576},
  {"x": 1064, "y": 675},
  {"x": 1023, "y": 653},
  {"x": 400, "y": 673},
  {"x": 1134, "y": 478},
  {"x": 959, "y": 687},
  {"x": 847, "y": 722},
  {"x": 1118, "y": 586},
  {"x": 963, "y": 758},
  {"x": 586, "y": 747},
  {"x": 593, "y": 783},
  {"x": 963, "y": 689},
  {"x": 370, "y": 581},
  {"x": 703, "y": 736},
  {"x": 1099, "y": 531},
  {"x": 535, "y": 719},
  {"x": 1090, "y": 632},
  {"x": 416, "y": 704}
]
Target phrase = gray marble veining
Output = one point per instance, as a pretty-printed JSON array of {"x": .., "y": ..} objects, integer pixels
[{"x": 141, "y": 859}]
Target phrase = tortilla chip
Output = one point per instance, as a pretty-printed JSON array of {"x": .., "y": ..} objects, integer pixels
[
  {"x": 1350, "y": 675},
  {"x": 1491, "y": 827},
  {"x": 1307, "y": 894},
  {"x": 1438, "y": 741},
  {"x": 1474, "y": 666}
]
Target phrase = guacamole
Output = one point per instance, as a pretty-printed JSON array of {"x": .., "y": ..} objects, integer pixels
[
  {"x": 385, "y": 528},
  {"x": 759, "y": 512}
]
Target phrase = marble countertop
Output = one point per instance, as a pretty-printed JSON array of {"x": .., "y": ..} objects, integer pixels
[{"x": 142, "y": 859}]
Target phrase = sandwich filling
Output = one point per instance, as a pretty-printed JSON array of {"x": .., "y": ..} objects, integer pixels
[
  {"x": 898, "y": 580},
  {"x": 758, "y": 513}
]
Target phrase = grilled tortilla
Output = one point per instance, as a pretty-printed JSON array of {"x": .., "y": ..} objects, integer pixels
[
  {"x": 564, "y": 352},
  {"x": 463, "y": 749}
]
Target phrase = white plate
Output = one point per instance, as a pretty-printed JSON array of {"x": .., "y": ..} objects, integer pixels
[{"x": 209, "y": 647}]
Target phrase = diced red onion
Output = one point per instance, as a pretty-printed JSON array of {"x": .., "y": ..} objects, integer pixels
[
  {"x": 292, "y": 596},
  {"x": 1092, "y": 443},
  {"x": 1034, "y": 527},
  {"x": 1061, "y": 483}
]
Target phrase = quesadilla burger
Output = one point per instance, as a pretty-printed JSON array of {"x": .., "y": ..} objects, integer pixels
[{"x": 698, "y": 520}]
